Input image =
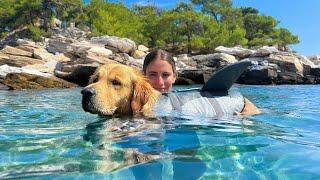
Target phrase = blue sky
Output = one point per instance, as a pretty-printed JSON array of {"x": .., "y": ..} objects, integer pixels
[{"x": 301, "y": 17}]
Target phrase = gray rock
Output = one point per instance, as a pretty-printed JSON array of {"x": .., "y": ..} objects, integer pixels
[
  {"x": 18, "y": 61},
  {"x": 17, "y": 81},
  {"x": 60, "y": 44},
  {"x": 116, "y": 44},
  {"x": 15, "y": 51},
  {"x": 5, "y": 69},
  {"x": 78, "y": 74},
  {"x": 265, "y": 51},
  {"x": 235, "y": 51}
]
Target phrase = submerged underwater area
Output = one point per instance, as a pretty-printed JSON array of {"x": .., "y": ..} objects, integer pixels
[{"x": 46, "y": 134}]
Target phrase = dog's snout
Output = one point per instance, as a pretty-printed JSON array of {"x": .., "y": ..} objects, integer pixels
[
  {"x": 88, "y": 95},
  {"x": 88, "y": 92}
]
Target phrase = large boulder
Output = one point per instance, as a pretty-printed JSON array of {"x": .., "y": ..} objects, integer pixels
[
  {"x": 315, "y": 59},
  {"x": 265, "y": 51},
  {"x": 43, "y": 54},
  {"x": 263, "y": 76},
  {"x": 78, "y": 73},
  {"x": 99, "y": 51},
  {"x": 97, "y": 54},
  {"x": 189, "y": 77},
  {"x": 5, "y": 69},
  {"x": 60, "y": 44},
  {"x": 216, "y": 60},
  {"x": 124, "y": 58},
  {"x": 210, "y": 63},
  {"x": 17, "y": 81},
  {"x": 139, "y": 54},
  {"x": 277, "y": 69},
  {"x": 72, "y": 33},
  {"x": 15, "y": 51},
  {"x": 48, "y": 67},
  {"x": 116, "y": 44},
  {"x": 90, "y": 53},
  {"x": 235, "y": 51},
  {"x": 183, "y": 61},
  {"x": 290, "y": 78},
  {"x": 81, "y": 48},
  {"x": 143, "y": 48},
  {"x": 18, "y": 61},
  {"x": 260, "y": 72},
  {"x": 286, "y": 62},
  {"x": 38, "y": 50},
  {"x": 198, "y": 69}
]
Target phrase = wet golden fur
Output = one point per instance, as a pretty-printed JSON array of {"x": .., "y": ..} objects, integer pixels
[{"x": 121, "y": 90}]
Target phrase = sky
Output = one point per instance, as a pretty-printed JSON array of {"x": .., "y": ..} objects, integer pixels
[{"x": 301, "y": 17}]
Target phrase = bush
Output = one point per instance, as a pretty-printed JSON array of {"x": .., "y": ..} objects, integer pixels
[{"x": 36, "y": 33}]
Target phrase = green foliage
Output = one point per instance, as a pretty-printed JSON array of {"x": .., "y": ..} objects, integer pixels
[
  {"x": 115, "y": 20},
  {"x": 17, "y": 13},
  {"x": 153, "y": 25},
  {"x": 200, "y": 25},
  {"x": 170, "y": 33},
  {"x": 36, "y": 33},
  {"x": 259, "y": 28},
  {"x": 81, "y": 20},
  {"x": 215, "y": 8},
  {"x": 284, "y": 37},
  {"x": 190, "y": 25},
  {"x": 237, "y": 37}
]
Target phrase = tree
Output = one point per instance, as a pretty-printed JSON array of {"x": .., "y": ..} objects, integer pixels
[
  {"x": 259, "y": 29},
  {"x": 68, "y": 10},
  {"x": 284, "y": 37},
  {"x": 214, "y": 8},
  {"x": 228, "y": 23},
  {"x": 7, "y": 11},
  {"x": 114, "y": 19},
  {"x": 237, "y": 37},
  {"x": 170, "y": 33},
  {"x": 47, "y": 7},
  {"x": 151, "y": 24},
  {"x": 248, "y": 10},
  {"x": 18, "y": 13},
  {"x": 190, "y": 24},
  {"x": 91, "y": 10}
]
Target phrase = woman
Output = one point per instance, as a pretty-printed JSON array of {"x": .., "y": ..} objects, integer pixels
[{"x": 159, "y": 67}]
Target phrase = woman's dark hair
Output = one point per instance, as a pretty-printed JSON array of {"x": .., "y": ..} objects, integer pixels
[{"x": 158, "y": 54}]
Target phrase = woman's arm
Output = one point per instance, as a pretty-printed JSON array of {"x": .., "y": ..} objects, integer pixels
[{"x": 249, "y": 108}]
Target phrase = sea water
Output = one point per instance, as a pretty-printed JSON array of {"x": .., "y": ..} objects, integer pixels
[{"x": 45, "y": 134}]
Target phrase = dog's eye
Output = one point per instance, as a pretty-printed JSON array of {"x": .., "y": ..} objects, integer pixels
[
  {"x": 94, "y": 80},
  {"x": 116, "y": 83}
]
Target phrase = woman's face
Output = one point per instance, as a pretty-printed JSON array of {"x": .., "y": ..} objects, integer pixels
[{"x": 161, "y": 75}]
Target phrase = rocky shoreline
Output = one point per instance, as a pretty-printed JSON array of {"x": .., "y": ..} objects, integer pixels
[{"x": 70, "y": 56}]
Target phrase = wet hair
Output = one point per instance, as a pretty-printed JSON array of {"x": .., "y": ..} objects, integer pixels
[{"x": 159, "y": 54}]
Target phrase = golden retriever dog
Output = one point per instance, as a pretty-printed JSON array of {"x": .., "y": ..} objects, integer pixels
[
  {"x": 119, "y": 89},
  {"x": 123, "y": 90}
]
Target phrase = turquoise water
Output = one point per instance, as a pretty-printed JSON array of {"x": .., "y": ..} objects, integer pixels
[{"x": 45, "y": 134}]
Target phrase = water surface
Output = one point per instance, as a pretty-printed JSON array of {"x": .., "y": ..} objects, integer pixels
[{"x": 45, "y": 134}]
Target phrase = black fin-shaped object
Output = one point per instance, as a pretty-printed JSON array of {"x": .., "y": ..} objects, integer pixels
[{"x": 222, "y": 80}]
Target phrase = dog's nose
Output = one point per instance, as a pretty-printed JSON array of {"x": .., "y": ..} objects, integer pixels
[{"x": 88, "y": 92}]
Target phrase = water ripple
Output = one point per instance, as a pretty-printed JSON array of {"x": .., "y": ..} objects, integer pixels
[{"x": 46, "y": 134}]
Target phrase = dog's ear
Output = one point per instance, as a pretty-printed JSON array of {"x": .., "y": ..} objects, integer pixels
[
  {"x": 144, "y": 96},
  {"x": 94, "y": 77}
]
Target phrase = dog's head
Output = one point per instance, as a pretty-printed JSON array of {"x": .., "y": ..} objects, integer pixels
[{"x": 118, "y": 89}]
